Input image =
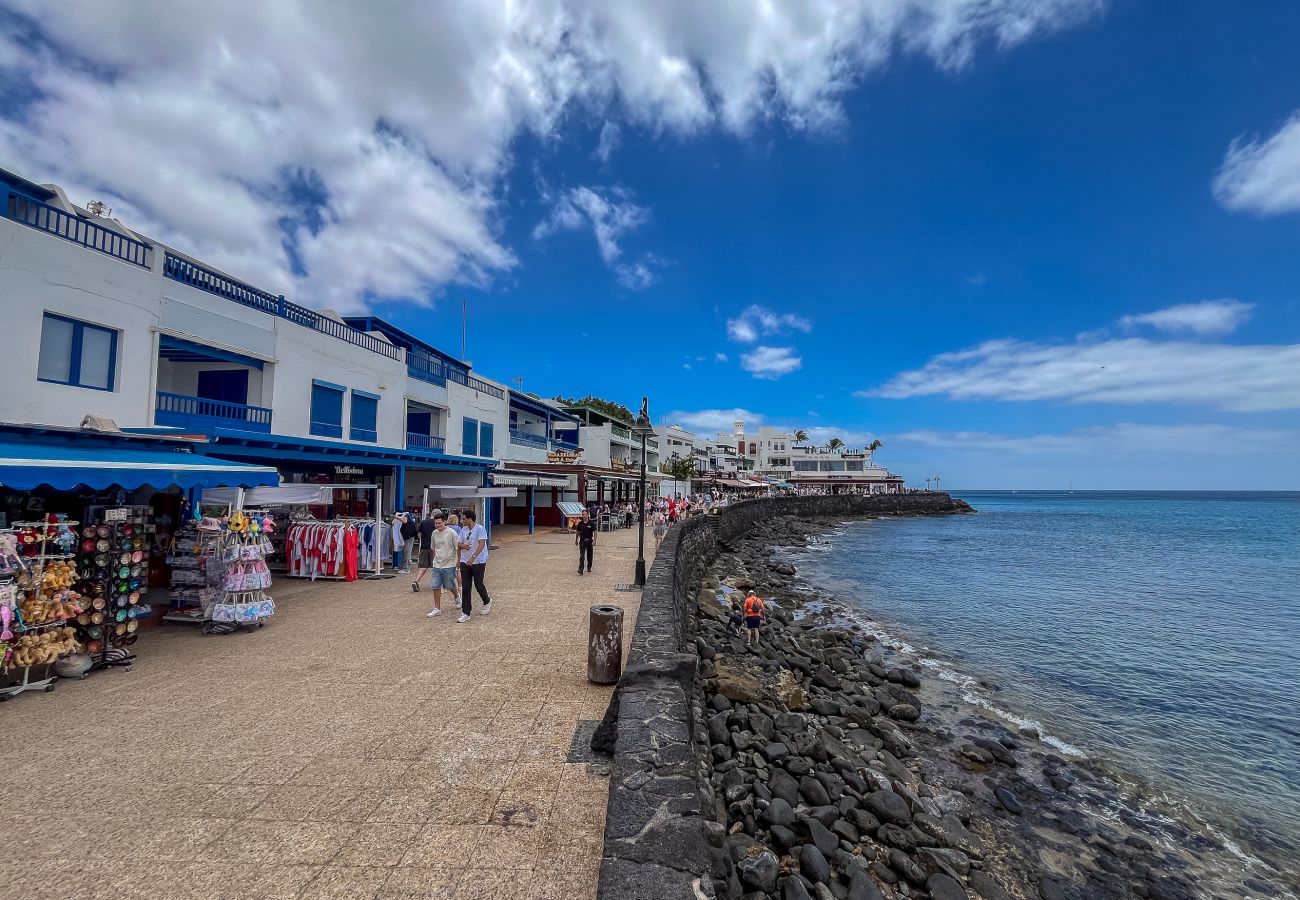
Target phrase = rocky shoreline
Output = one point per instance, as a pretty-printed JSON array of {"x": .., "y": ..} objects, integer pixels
[{"x": 833, "y": 768}]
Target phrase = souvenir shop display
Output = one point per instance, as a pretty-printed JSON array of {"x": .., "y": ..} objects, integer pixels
[
  {"x": 196, "y": 573},
  {"x": 112, "y": 568},
  {"x": 312, "y": 545},
  {"x": 219, "y": 572},
  {"x": 242, "y": 550},
  {"x": 39, "y": 596}
]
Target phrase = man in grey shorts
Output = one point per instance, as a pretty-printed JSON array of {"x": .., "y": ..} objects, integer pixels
[{"x": 442, "y": 560}]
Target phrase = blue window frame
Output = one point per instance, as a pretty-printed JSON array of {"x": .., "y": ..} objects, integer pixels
[
  {"x": 327, "y": 409},
  {"x": 469, "y": 436},
  {"x": 77, "y": 353},
  {"x": 365, "y": 413},
  {"x": 485, "y": 439}
]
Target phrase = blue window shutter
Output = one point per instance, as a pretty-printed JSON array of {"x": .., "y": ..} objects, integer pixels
[
  {"x": 485, "y": 439},
  {"x": 365, "y": 413},
  {"x": 326, "y": 410},
  {"x": 469, "y": 437}
]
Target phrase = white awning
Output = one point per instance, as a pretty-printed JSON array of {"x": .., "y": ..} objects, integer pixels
[
  {"x": 552, "y": 481},
  {"x": 512, "y": 478},
  {"x": 466, "y": 492}
]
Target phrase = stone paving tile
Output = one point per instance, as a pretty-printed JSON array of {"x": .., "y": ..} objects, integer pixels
[
  {"x": 338, "y": 882},
  {"x": 412, "y": 760}
]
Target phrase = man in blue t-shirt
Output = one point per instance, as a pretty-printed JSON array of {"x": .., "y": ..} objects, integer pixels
[{"x": 473, "y": 563}]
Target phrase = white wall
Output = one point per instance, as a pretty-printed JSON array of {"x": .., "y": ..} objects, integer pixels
[{"x": 40, "y": 273}]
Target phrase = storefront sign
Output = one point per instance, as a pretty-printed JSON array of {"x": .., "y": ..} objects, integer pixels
[
  {"x": 563, "y": 456},
  {"x": 348, "y": 470},
  {"x": 623, "y": 464},
  {"x": 115, "y": 515}
]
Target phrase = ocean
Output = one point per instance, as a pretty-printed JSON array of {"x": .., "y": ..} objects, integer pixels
[{"x": 1158, "y": 633}]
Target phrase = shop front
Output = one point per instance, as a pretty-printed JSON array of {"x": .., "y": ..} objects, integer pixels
[{"x": 89, "y": 521}]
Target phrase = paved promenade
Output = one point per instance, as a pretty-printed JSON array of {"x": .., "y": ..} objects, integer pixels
[{"x": 350, "y": 749}]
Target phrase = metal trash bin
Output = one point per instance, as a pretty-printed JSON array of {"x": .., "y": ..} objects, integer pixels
[{"x": 605, "y": 644}]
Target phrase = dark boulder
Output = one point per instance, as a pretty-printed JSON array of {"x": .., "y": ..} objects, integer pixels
[
  {"x": 813, "y": 864},
  {"x": 888, "y": 807},
  {"x": 944, "y": 887}
]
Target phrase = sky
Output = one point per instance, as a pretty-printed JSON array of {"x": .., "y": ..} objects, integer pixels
[{"x": 1024, "y": 244}]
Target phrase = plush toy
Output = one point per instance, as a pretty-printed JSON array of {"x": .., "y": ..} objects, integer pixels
[
  {"x": 268, "y": 524},
  {"x": 238, "y": 523},
  {"x": 6, "y": 618}
]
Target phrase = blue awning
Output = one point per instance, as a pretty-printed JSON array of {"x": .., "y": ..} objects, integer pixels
[{"x": 24, "y": 466}]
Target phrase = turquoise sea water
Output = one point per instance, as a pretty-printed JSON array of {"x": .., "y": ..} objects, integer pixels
[{"x": 1157, "y": 631}]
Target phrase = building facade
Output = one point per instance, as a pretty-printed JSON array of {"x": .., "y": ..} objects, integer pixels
[{"x": 126, "y": 328}]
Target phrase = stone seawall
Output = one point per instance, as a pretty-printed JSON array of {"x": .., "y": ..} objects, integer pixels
[{"x": 659, "y": 839}]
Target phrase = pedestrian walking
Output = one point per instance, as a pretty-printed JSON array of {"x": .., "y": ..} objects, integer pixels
[
  {"x": 425, "y": 534},
  {"x": 473, "y": 563},
  {"x": 444, "y": 544},
  {"x": 754, "y": 612},
  {"x": 585, "y": 540},
  {"x": 660, "y": 528}
]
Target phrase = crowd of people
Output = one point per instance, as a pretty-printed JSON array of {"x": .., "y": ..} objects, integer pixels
[
  {"x": 453, "y": 552},
  {"x": 451, "y": 547}
]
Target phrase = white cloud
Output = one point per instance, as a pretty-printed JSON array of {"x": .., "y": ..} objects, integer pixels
[
  {"x": 1239, "y": 378},
  {"x": 720, "y": 357},
  {"x": 1212, "y": 318},
  {"x": 610, "y": 138},
  {"x": 1262, "y": 176},
  {"x": 770, "y": 362},
  {"x": 197, "y": 121},
  {"x": 610, "y": 215},
  {"x": 1124, "y": 438},
  {"x": 711, "y": 421},
  {"x": 757, "y": 321},
  {"x": 979, "y": 279}
]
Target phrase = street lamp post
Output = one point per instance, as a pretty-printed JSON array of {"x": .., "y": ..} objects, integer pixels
[{"x": 643, "y": 429}]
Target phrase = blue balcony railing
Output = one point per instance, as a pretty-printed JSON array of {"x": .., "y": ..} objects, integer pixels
[
  {"x": 566, "y": 446},
  {"x": 425, "y": 442},
  {"x": 430, "y": 370},
  {"x": 183, "y": 411},
  {"x": 475, "y": 384},
  {"x": 205, "y": 279},
  {"x": 369, "y": 435},
  {"x": 527, "y": 438},
  {"x": 85, "y": 232}
]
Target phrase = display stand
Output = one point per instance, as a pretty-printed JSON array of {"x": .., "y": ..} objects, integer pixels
[
  {"x": 38, "y": 601},
  {"x": 114, "y": 574}
]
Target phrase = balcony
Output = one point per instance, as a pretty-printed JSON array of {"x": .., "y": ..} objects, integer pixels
[
  {"x": 432, "y": 442},
  {"x": 564, "y": 446},
  {"x": 91, "y": 235},
  {"x": 430, "y": 370},
  {"x": 182, "y": 411},
  {"x": 204, "y": 279},
  {"x": 527, "y": 438}
]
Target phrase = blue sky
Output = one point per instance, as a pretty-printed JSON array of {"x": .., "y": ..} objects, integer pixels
[{"x": 1023, "y": 253}]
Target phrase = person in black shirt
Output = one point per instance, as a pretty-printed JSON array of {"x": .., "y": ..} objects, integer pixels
[{"x": 585, "y": 539}]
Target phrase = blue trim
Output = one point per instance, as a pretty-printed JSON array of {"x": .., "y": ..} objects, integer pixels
[
  {"x": 66, "y": 465},
  {"x": 168, "y": 342},
  {"x": 316, "y": 382},
  {"x": 228, "y": 441},
  {"x": 366, "y": 394}
]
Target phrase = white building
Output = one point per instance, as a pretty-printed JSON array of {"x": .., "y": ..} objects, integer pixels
[{"x": 124, "y": 327}]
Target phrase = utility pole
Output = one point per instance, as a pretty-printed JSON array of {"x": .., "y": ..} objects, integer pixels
[{"x": 464, "y": 321}]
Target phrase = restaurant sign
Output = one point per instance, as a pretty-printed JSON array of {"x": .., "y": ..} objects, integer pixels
[{"x": 563, "y": 456}]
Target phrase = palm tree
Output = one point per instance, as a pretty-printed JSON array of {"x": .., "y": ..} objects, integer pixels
[
  {"x": 872, "y": 448},
  {"x": 800, "y": 436},
  {"x": 834, "y": 444}
]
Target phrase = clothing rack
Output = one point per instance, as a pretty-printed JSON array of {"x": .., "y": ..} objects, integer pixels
[{"x": 291, "y": 496}]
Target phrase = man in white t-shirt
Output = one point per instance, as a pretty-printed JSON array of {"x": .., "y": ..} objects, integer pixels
[
  {"x": 443, "y": 546},
  {"x": 473, "y": 563}
]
